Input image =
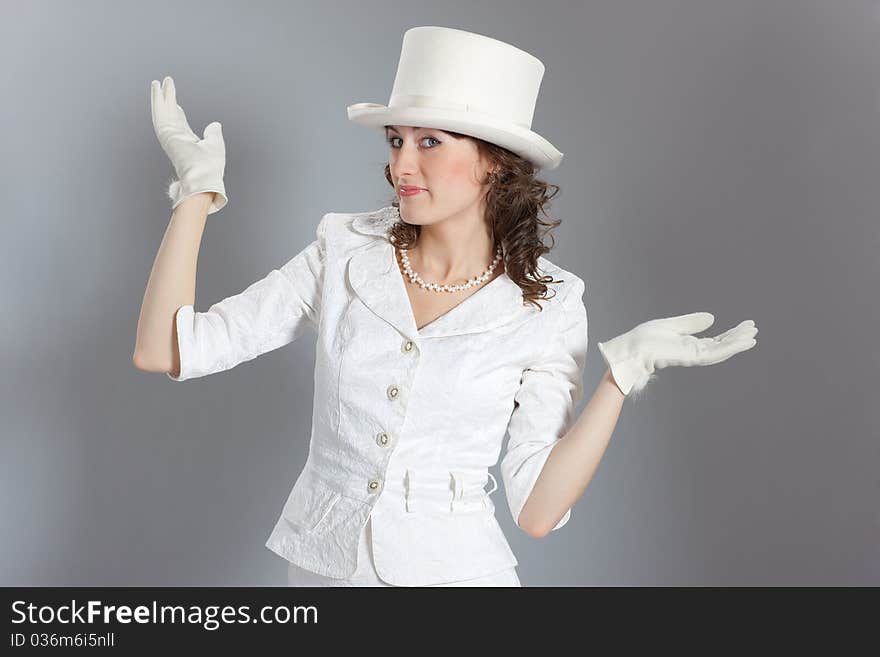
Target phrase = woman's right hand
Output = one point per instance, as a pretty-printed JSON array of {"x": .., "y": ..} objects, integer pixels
[{"x": 198, "y": 163}]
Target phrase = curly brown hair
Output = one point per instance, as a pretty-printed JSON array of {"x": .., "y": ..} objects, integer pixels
[{"x": 514, "y": 199}]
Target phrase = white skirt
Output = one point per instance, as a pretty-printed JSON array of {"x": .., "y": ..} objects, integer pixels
[{"x": 366, "y": 574}]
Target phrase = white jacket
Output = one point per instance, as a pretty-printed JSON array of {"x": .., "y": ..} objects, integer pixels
[{"x": 406, "y": 422}]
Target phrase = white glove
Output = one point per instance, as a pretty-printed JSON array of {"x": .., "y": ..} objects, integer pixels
[
  {"x": 660, "y": 343},
  {"x": 198, "y": 163}
]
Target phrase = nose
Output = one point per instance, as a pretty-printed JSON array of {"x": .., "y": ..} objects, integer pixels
[{"x": 405, "y": 162}]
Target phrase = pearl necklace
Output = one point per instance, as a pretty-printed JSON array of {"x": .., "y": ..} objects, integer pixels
[{"x": 434, "y": 287}]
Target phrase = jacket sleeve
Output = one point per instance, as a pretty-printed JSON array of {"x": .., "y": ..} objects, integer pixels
[
  {"x": 544, "y": 404},
  {"x": 269, "y": 314}
]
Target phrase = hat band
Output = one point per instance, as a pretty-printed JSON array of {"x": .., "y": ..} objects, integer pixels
[{"x": 435, "y": 102}]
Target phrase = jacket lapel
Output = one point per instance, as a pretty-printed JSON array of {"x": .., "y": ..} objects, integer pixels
[
  {"x": 376, "y": 278},
  {"x": 371, "y": 276}
]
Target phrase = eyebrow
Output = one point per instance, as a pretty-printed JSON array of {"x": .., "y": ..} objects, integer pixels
[{"x": 390, "y": 129}]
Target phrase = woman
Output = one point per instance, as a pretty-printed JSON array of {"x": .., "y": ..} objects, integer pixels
[{"x": 435, "y": 332}]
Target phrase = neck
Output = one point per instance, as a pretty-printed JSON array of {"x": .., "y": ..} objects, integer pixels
[{"x": 453, "y": 250}]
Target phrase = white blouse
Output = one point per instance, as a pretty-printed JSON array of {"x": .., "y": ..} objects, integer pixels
[{"x": 405, "y": 422}]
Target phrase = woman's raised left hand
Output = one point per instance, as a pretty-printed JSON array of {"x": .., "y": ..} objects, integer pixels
[{"x": 634, "y": 356}]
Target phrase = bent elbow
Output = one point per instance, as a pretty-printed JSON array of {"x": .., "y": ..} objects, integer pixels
[
  {"x": 145, "y": 364},
  {"x": 138, "y": 361},
  {"x": 535, "y": 532},
  {"x": 530, "y": 528}
]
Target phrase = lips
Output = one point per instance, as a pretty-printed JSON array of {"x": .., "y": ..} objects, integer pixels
[{"x": 410, "y": 188}]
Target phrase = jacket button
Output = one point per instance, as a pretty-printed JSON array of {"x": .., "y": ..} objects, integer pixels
[
  {"x": 408, "y": 346},
  {"x": 383, "y": 439},
  {"x": 373, "y": 485},
  {"x": 393, "y": 391}
]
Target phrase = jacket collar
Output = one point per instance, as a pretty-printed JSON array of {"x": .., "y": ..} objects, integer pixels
[{"x": 376, "y": 278}]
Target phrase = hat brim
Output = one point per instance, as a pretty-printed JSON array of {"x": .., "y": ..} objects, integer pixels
[{"x": 522, "y": 141}]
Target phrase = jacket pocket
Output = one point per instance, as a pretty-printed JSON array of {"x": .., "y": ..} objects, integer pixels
[{"x": 309, "y": 503}]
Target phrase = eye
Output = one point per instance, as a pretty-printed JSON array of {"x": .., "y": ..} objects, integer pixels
[{"x": 391, "y": 140}]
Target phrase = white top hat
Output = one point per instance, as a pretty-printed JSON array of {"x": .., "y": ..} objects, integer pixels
[{"x": 464, "y": 82}]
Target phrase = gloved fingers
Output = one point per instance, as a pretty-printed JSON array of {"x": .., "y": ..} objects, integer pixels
[
  {"x": 164, "y": 108},
  {"x": 169, "y": 93},
  {"x": 184, "y": 124},
  {"x": 713, "y": 351},
  {"x": 686, "y": 324},
  {"x": 743, "y": 329},
  {"x": 689, "y": 350},
  {"x": 214, "y": 136},
  {"x": 157, "y": 105},
  {"x": 169, "y": 119},
  {"x": 164, "y": 116},
  {"x": 154, "y": 91},
  {"x": 175, "y": 111}
]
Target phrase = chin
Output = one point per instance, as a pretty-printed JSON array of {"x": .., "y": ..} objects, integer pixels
[{"x": 411, "y": 217}]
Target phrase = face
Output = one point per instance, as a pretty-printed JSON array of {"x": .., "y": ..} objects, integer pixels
[{"x": 448, "y": 168}]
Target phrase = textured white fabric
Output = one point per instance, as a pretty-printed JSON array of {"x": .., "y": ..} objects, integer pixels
[
  {"x": 405, "y": 422},
  {"x": 366, "y": 574}
]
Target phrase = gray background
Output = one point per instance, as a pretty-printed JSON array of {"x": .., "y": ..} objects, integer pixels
[{"x": 719, "y": 156}]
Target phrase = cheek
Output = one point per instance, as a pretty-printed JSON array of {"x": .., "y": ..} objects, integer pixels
[{"x": 463, "y": 173}]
